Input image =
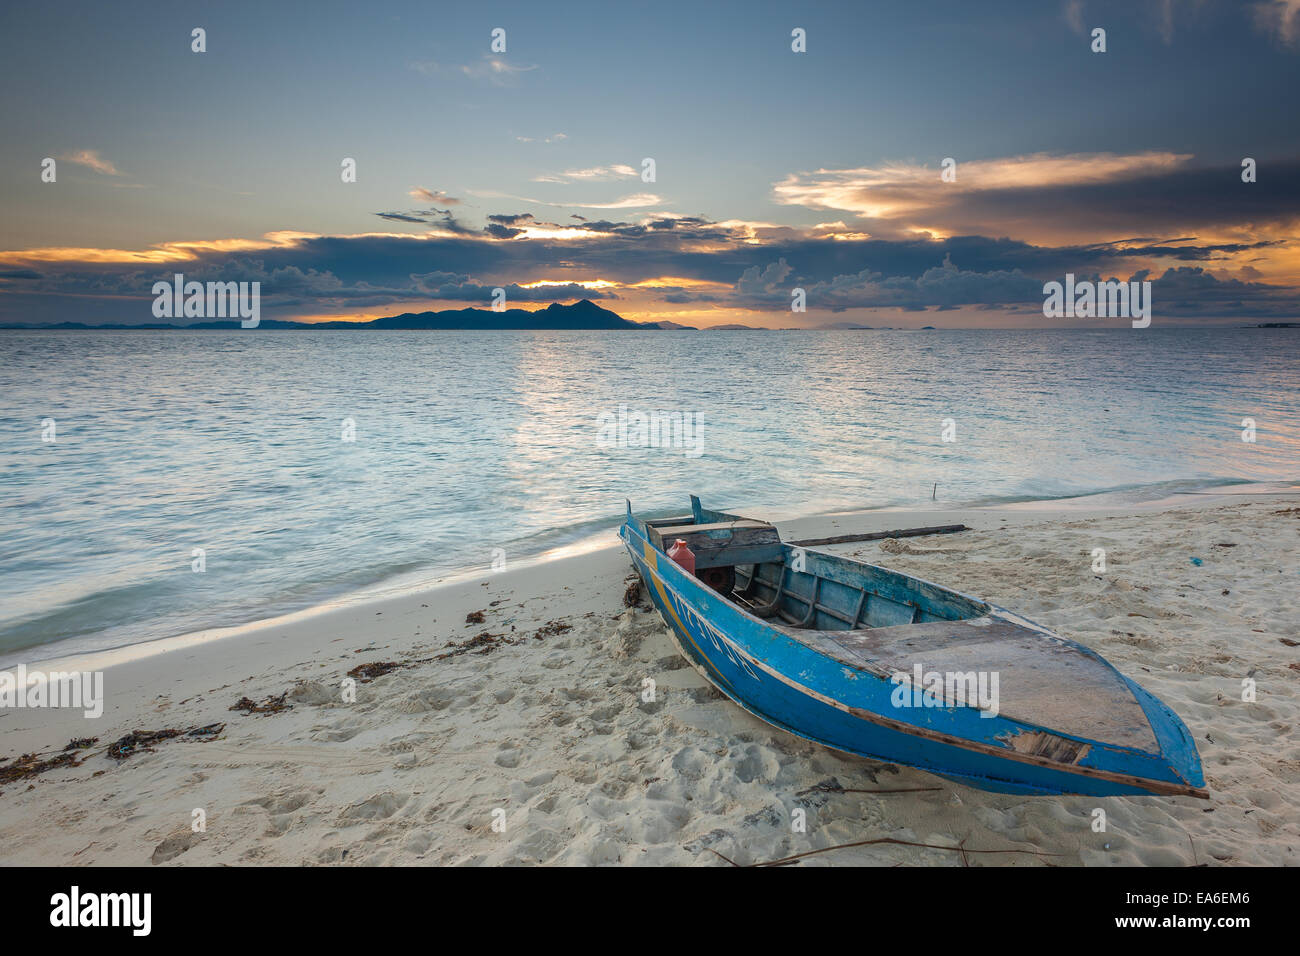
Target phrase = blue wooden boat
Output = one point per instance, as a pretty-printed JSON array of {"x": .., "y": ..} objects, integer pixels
[{"x": 880, "y": 664}]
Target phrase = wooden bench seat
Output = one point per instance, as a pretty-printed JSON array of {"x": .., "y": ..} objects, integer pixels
[{"x": 724, "y": 543}]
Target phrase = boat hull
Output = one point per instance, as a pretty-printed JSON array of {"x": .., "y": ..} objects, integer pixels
[{"x": 791, "y": 686}]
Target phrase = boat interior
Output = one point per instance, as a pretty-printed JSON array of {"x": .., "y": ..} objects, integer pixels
[{"x": 746, "y": 561}]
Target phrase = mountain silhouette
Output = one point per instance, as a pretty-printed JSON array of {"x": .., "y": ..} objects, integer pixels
[{"x": 584, "y": 314}]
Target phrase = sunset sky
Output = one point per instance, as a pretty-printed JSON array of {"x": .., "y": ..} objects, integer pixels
[{"x": 773, "y": 169}]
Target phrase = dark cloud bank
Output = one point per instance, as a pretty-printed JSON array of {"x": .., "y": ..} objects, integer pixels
[{"x": 1160, "y": 216}]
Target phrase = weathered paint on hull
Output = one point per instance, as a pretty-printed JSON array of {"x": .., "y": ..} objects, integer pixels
[{"x": 787, "y": 684}]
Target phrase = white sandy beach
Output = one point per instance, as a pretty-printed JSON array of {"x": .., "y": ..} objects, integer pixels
[{"x": 544, "y": 718}]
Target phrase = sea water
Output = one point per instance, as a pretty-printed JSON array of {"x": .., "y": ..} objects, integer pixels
[{"x": 158, "y": 483}]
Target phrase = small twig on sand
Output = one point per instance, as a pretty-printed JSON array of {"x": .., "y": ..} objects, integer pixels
[
  {"x": 844, "y": 846},
  {"x": 825, "y": 789},
  {"x": 879, "y": 535}
]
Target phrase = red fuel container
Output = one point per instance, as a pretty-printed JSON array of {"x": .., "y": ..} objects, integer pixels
[{"x": 683, "y": 555}]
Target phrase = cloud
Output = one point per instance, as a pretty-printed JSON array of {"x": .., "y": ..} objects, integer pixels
[
  {"x": 592, "y": 174},
  {"x": 91, "y": 159},
  {"x": 510, "y": 226},
  {"x": 553, "y": 138},
  {"x": 1072, "y": 12},
  {"x": 1166, "y": 13},
  {"x": 444, "y": 219},
  {"x": 755, "y": 283},
  {"x": 899, "y": 191},
  {"x": 1281, "y": 18},
  {"x": 630, "y": 201},
  {"x": 1056, "y": 199},
  {"x": 941, "y": 285},
  {"x": 428, "y": 195},
  {"x": 1192, "y": 291},
  {"x": 496, "y": 70},
  {"x": 670, "y": 262},
  {"x": 448, "y": 286}
]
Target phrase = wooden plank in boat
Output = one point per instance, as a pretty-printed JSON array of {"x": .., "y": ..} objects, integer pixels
[
  {"x": 677, "y": 520},
  {"x": 714, "y": 527},
  {"x": 722, "y": 544}
]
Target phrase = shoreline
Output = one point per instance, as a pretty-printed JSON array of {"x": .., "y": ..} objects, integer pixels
[
  {"x": 416, "y": 583},
  {"x": 522, "y": 692},
  {"x": 806, "y": 524}
]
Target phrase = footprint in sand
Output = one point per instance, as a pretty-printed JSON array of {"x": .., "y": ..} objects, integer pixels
[
  {"x": 342, "y": 731},
  {"x": 380, "y": 806},
  {"x": 436, "y": 698},
  {"x": 284, "y": 801},
  {"x": 509, "y": 757},
  {"x": 315, "y": 694},
  {"x": 174, "y": 846}
]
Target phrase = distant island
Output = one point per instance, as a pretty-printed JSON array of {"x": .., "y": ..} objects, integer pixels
[{"x": 583, "y": 315}]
